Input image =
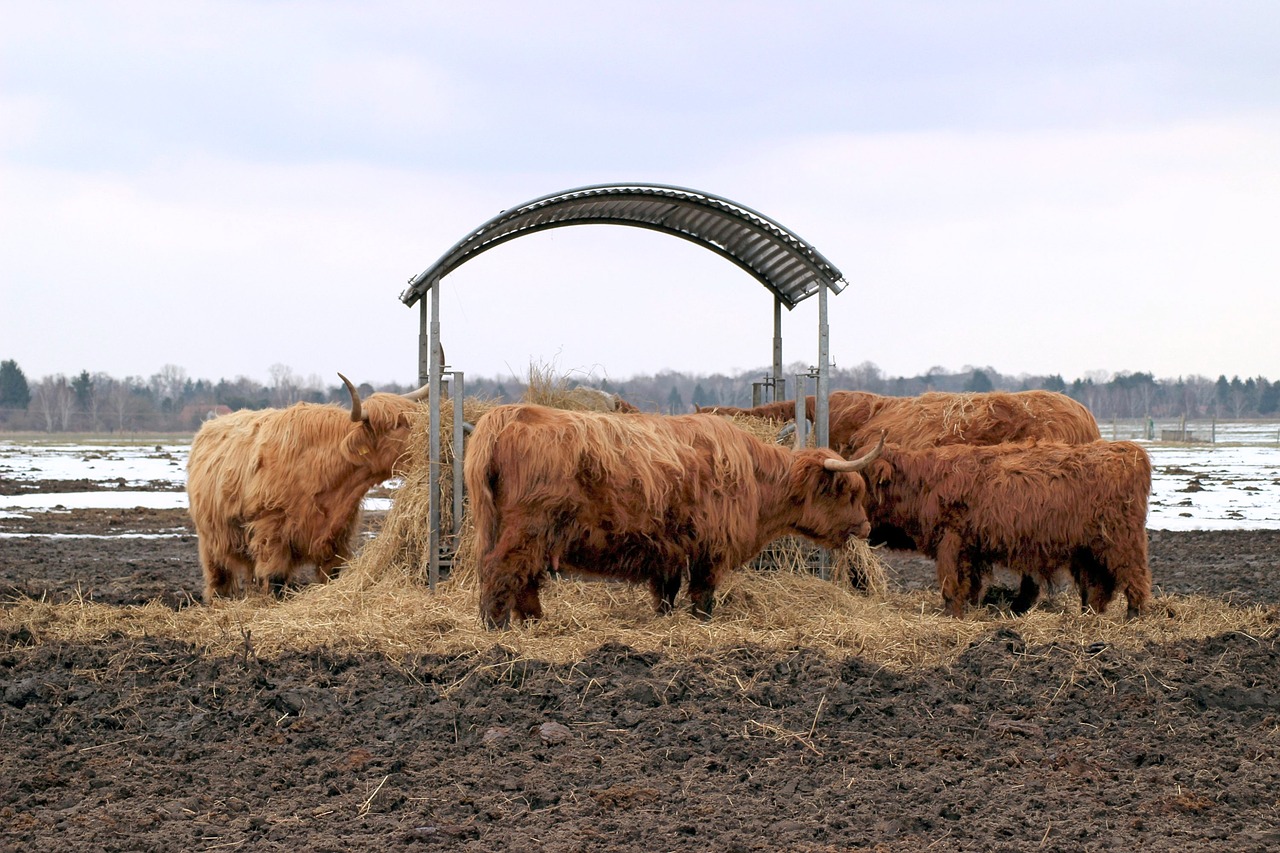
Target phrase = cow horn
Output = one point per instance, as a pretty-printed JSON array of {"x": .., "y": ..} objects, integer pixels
[
  {"x": 856, "y": 464},
  {"x": 355, "y": 398},
  {"x": 419, "y": 394}
]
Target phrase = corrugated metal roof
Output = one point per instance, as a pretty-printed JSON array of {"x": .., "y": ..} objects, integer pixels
[{"x": 788, "y": 266}]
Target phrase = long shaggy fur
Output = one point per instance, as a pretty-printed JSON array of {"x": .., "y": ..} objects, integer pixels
[
  {"x": 273, "y": 490},
  {"x": 938, "y": 418},
  {"x": 1035, "y": 507},
  {"x": 640, "y": 498}
]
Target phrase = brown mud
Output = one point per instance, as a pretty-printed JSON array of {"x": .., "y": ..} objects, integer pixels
[{"x": 146, "y": 744}]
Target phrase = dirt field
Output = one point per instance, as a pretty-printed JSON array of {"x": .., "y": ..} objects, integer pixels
[{"x": 131, "y": 744}]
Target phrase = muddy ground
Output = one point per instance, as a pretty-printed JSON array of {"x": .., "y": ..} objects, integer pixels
[{"x": 154, "y": 745}]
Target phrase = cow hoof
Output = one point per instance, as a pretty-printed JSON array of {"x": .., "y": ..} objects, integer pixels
[{"x": 495, "y": 623}]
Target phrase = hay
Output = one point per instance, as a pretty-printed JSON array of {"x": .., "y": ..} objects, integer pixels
[{"x": 903, "y": 631}]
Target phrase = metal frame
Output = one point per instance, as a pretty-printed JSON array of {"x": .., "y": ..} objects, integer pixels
[{"x": 791, "y": 269}]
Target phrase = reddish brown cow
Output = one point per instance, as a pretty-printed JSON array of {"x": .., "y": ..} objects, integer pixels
[
  {"x": 641, "y": 498},
  {"x": 937, "y": 418},
  {"x": 782, "y": 410},
  {"x": 271, "y": 491},
  {"x": 1033, "y": 506}
]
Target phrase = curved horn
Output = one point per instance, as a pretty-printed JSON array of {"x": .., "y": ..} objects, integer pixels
[
  {"x": 418, "y": 394},
  {"x": 856, "y": 464},
  {"x": 355, "y": 398}
]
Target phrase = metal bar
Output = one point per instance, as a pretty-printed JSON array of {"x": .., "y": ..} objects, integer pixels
[
  {"x": 821, "y": 409},
  {"x": 433, "y": 454},
  {"x": 780, "y": 384},
  {"x": 802, "y": 422},
  {"x": 424, "y": 345},
  {"x": 458, "y": 417},
  {"x": 821, "y": 433}
]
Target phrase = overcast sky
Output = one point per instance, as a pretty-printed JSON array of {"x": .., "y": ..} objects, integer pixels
[{"x": 1046, "y": 187}]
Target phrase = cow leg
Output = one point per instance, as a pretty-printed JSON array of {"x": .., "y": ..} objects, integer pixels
[
  {"x": 702, "y": 589},
  {"x": 218, "y": 579},
  {"x": 954, "y": 573},
  {"x": 510, "y": 575},
  {"x": 272, "y": 561},
  {"x": 980, "y": 570},
  {"x": 1097, "y": 584},
  {"x": 1028, "y": 593},
  {"x": 528, "y": 605},
  {"x": 664, "y": 588},
  {"x": 341, "y": 549},
  {"x": 1126, "y": 561}
]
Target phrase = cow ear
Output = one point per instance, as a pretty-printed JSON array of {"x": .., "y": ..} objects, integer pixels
[
  {"x": 878, "y": 475},
  {"x": 359, "y": 443}
]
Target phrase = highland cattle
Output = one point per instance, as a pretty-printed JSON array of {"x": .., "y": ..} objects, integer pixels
[
  {"x": 275, "y": 490},
  {"x": 642, "y": 498}
]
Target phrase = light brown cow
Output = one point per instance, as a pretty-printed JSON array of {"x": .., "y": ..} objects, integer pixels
[
  {"x": 274, "y": 490},
  {"x": 642, "y": 498}
]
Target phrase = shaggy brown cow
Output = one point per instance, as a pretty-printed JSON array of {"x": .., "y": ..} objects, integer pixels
[
  {"x": 782, "y": 410},
  {"x": 640, "y": 498},
  {"x": 273, "y": 490},
  {"x": 937, "y": 418},
  {"x": 1033, "y": 506}
]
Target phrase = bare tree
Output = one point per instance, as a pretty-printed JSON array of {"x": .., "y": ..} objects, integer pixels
[
  {"x": 285, "y": 385},
  {"x": 55, "y": 401},
  {"x": 121, "y": 401},
  {"x": 168, "y": 384}
]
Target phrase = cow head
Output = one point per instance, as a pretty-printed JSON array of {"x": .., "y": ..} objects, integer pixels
[
  {"x": 382, "y": 424},
  {"x": 834, "y": 496}
]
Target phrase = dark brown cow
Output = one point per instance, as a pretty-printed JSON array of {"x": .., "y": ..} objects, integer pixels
[
  {"x": 641, "y": 498},
  {"x": 273, "y": 490},
  {"x": 1035, "y": 507}
]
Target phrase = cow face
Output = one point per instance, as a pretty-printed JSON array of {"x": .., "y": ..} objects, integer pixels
[
  {"x": 833, "y": 501},
  {"x": 380, "y": 429}
]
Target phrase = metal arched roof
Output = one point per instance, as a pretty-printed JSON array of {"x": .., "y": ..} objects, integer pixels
[{"x": 788, "y": 266}]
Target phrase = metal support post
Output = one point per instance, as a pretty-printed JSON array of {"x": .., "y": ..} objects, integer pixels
[
  {"x": 802, "y": 422},
  {"x": 822, "y": 404},
  {"x": 433, "y": 454},
  {"x": 456, "y": 387},
  {"x": 780, "y": 384}
]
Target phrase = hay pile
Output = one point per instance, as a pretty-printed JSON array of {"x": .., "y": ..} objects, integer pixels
[{"x": 903, "y": 631}]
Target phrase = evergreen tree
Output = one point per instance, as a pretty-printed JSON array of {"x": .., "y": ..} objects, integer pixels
[
  {"x": 14, "y": 391},
  {"x": 1268, "y": 397},
  {"x": 699, "y": 395},
  {"x": 675, "y": 403},
  {"x": 979, "y": 381},
  {"x": 82, "y": 385}
]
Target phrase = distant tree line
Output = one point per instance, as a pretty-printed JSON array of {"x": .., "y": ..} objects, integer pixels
[{"x": 171, "y": 401}]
